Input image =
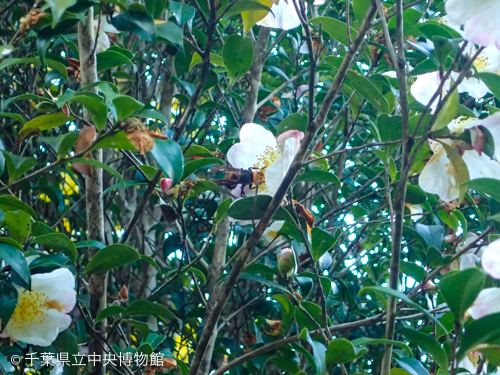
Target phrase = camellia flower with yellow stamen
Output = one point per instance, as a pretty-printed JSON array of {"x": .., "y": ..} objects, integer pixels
[
  {"x": 439, "y": 175},
  {"x": 42, "y": 312},
  {"x": 260, "y": 150}
]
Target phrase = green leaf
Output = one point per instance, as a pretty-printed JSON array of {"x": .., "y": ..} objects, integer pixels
[
  {"x": 58, "y": 8},
  {"x": 369, "y": 91},
  {"x": 8, "y": 302},
  {"x": 61, "y": 68},
  {"x": 448, "y": 112},
  {"x": 43, "y": 122},
  {"x": 460, "y": 289},
  {"x": 14, "y": 116},
  {"x": 171, "y": 32},
  {"x": 237, "y": 54},
  {"x": 242, "y": 6},
  {"x": 123, "y": 106},
  {"x": 15, "y": 258},
  {"x": 66, "y": 343},
  {"x": 402, "y": 297},
  {"x": 263, "y": 281},
  {"x": 492, "y": 80},
  {"x": 89, "y": 243},
  {"x": 111, "y": 59},
  {"x": 109, "y": 312},
  {"x": 415, "y": 195},
  {"x": 145, "y": 308},
  {"x": 335, "y": 28},
  {"x": 287, "y": 311},
  {"x": 321, "y": 242},
  {"x": 19, "y": 225},
  {"x": 413, "y": 270},
  {"x": 461, "y": 170},
  {"x": 370, "y": 341},
  {"x": 58, "y": 242},
  {"x": 97, "y": 109},
  {"x": 195, "y": 165},
  {"x": 295, "y": 121},
  {"x": 18, "y": 165},
  {"x": 143, "y": 328},
  {"x": 342, "y": 351},
  {"x": 488, "y": 186},
  {"x": 152, "y": 114},
  {"x": 214, "y": 59},
  {"x": 448, "y": 218},
  {"x": 98, "y": 164},
  {"x": 221, "y": 212},
  {"x": 151, "y": 261},
  {"x": 11, "y": 203},
  {"x": 429, "y": 344},
  {"x": 156, "y": 7},
  {"x": 140, "y": 23},
  {"x": 435, "y": 258},
  {"x": 183, "y": 12},
  {"x": 110, "y": 257},
  {"x": 245, "y": 209},
  {"x": 360, "y": 8},
  {"x": 61, "y": 144},
  {"x": 168, "y": 155},
  {"x": 432, "y": 234},
  {"x": 390, "y": 129},
  {"x": 319, "y": 354},
  {"x": 319, "y": 176},
  {"x": 195, "y": 150},
  {"x": 411, "y": 366},
  {"x": 482, "y": 331}
]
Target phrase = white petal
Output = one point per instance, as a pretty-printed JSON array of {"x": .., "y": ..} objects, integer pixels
[
  {"x": 58, "y": 285},
  {"x": 482, "y": 28},
  {"x": 285, "y": 16},
  {"x": 490, "y": 259},
  {"x": 486, "y": 303},
  {"x": 275, "y": 173},
  {"x": 468, "y": 261},
  {"x": 254, "y": 140},
  {"x": 271, "y": 231},
  {"x": 475, "y": 87},
  {"x": 42, "y": 334},
  {"x": 439, "y": 176},
  {"x": 481, "y": 166},
  {"x": 424, "y": 88},
  {"x": 460, "y": 11}
]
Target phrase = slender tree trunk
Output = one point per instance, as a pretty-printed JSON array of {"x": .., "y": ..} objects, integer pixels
[
  {"x": 93, "y": 185},
  {"x": 250, "y": 109}
]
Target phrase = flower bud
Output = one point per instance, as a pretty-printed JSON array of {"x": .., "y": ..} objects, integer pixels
[
  {"x": 287, "y": 264},
  {"x": 166, "y": 184}
]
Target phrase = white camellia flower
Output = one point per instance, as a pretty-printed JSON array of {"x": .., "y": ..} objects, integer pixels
[
  {"x": 284, "y": 15},
  {"x": 490, "y": 260},
  {"x": 42, "y": 312},
  {"x": 486, "y": 303},
  {"x": 480, "y": 20},
  {"x": 427, "y": 84},
  {"x": 271, "y": 231},
  {"x": 260, "y": 150},
  {"x": 439, "y": 176}
]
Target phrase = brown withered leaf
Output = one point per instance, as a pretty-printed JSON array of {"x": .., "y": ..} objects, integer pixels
[
  {"x": 305, "y": 214},
  {"x": 167, "y": 364},
  {"x": 276, "y": 101},
  {"x": 65, "y": 109},
  {"x": 141, "y": 140},
  {"x": 85, "y": 139}
]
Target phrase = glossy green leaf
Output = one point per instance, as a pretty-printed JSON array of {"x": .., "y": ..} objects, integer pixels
[
  {"x": 144, "y": 308},
  {"x": 448, "y": 112},
  {"x": 140, "y": 23},
  {"x": 369, "y": 91},
  {"x": 335, "y": 28},
  {"x": 61, "y": 144},
  {"x": 321, "y": 242},
  {"x": 429, "y": 344},
  {"x": 109, "y": 312},
  {"x": 171, "y": 32},
  {"x": 183, "y": 12},
  {"x": 460, "y": 289},
  {"x": 58, "y": 242},
  {"x": 11, "y": 203},
  {"x": 19, "y": 225},
  {"x": 16, "y": 259},
  {"x": 17, "y": 165},
  {"x": 318, "y": 176},
  {"x": 41, "y": 123},
  {"x": 98, "y": 164},
  {"x": 342, "y": 351},
  {"x": 110, "y": 257},
  {"x": 295, "y": 121},
  {"x": 8, "y": 302},
  {"x": 194, "y": 166},
  {"x": 245, "y": 209},
  {"x": 168, "y": 155},
  {"x": 237, "y": 54}
]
